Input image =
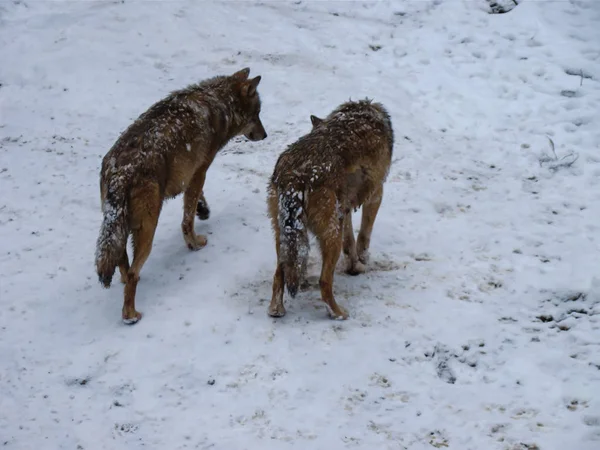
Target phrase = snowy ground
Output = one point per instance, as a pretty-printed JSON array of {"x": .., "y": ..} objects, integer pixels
[{"x": 478, "y": 324}]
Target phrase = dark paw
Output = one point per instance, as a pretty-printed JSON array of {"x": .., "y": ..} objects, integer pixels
[{"x": 202, "y": 211}]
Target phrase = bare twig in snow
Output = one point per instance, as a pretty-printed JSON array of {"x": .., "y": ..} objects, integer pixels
[
  {"x": 552, "y": 147},
  {"x": 558, "y": 163}
]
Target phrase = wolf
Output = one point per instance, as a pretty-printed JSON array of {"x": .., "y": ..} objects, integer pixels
[
  {"x": 338, "y": 167},
  {"x": 165, "y": 152}
]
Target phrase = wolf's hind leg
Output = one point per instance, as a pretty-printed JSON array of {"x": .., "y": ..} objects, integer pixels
[
  {"x": 276, "y": 308},
  {"x": 145, "y": 210},
  {"x": 329, "y": 231}
]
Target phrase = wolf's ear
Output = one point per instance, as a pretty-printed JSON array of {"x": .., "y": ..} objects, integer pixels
[
  {"x": 242, "y": 75},
  {"x": 249, "y": 88},
  {"x": 315, "y": 120}
]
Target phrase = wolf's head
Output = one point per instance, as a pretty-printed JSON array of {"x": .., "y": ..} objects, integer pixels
[{"x": 249, "y": 114}]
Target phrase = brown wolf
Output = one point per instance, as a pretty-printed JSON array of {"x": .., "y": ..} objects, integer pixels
[
  {"x": 317, "y": 182},
  {"x": 165, "y": 152}
]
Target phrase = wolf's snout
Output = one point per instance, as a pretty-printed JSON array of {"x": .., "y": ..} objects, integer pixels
[{"x": 257, "y": 134}]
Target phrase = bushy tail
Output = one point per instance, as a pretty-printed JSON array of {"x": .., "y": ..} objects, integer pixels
[
  {"x": 294, "y": 245},
  {"x": 113, "y": 235}
]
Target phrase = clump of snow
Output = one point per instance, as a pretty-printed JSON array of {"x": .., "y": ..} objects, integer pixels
[{"x": 490, "y": 341}]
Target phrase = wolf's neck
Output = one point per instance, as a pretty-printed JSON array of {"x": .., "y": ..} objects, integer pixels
[{"x": 225, "y": 125}]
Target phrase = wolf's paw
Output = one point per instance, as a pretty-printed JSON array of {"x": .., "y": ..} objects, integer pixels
[
  {"x": 338, "y": 313},
  {"x": 311, "y": 282},
  {"x": 196, "y": 242},
  {"x": 276, "y": 310},
  {"x": 202, "y": 211},
  {"x": 355, "y": 268},
  {"x": 363, "y": 256},
  {"x": 131, "y": 317}
]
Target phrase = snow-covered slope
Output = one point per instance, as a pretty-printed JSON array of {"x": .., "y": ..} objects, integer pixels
[{"x": 478, "y": 323}]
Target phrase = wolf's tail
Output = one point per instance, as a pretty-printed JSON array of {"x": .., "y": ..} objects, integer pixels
[
  {"x": 294, "y": 245},
  {"x": 114, "y": 232}
]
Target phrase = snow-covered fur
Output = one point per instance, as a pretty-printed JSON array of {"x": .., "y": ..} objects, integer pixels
[
  {"x": 165, "y": 152},
  {"x": 339, "y": 166}
]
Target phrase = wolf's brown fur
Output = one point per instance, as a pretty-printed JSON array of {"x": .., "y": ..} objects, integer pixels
[
  {"x": 165, "y": 152},
  {"x": 339, "y": 166}
]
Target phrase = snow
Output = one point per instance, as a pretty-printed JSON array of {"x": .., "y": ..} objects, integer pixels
[{"x": 477, "y": 323}]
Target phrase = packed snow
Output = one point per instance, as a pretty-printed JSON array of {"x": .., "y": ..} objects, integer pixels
[{"x": 477, "y": 323}]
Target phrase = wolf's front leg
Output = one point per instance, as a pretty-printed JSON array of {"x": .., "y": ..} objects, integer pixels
[
  {"x": 369, "y": 214},
  {"x": 202, "y": 209},
  {"x": 353, "y": 265},
  {"x": 190, "y": 203}
]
